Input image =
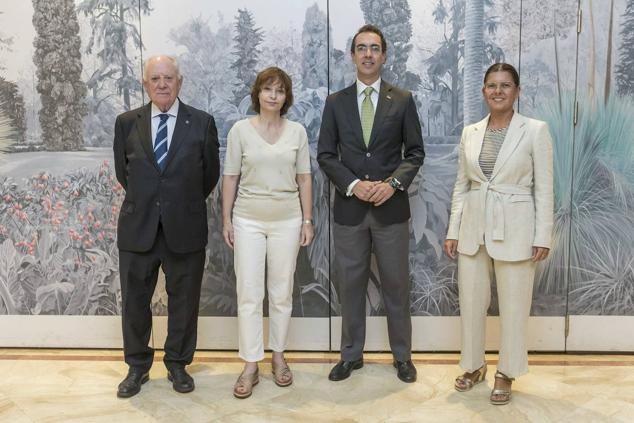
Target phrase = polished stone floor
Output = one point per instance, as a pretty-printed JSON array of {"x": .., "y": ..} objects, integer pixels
[{"x": 79, "y": 386}]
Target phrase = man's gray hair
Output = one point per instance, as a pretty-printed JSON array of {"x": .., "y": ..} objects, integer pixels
[{"x": 157, "y": 57}]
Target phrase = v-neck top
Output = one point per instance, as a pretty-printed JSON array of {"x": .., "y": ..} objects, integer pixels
[{"x": 268, "y": 188}]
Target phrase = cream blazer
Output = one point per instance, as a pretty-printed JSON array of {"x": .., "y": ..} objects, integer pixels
[{"x": 513, "y": 211}]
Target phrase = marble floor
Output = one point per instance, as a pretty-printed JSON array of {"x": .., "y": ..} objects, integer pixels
[{"x": 79, "y": 386}]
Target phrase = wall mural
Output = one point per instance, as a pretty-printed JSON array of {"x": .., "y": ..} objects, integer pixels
[{"x": 59, "y": 199}]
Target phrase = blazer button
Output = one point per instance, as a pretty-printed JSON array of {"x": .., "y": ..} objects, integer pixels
[
  {"x": 158, "y": 204},
  {"x": 367, "y": 176},
  {"x": 368, "y": 155}
]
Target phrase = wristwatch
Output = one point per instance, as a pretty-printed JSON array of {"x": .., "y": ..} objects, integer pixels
[
  {"x": 395, "y": 183},
  {"x": 307, "y": 222}
]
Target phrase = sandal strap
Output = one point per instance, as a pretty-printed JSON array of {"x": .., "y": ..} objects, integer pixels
[
  {"x": 466, "y": 380},
  {"x": 500, "y": 375},
  {"x": 246, "y": 381},
  {"x": 282, "y": 371}
]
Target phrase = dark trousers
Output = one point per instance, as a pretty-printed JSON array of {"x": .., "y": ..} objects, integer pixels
[
  {"x": 183, "y": 278},
  {"x": 353, "y": 248}
]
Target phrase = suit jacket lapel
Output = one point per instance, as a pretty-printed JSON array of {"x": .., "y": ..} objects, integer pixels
[
  {"x": 145, "y": 133},
  {"x": 183, "y": 123},
  {"x": 352, "y": 108},
  {"x": 475, "y": 145},
  {"x": 382, "y": 109},
  {"x": 514, "y": 135}
]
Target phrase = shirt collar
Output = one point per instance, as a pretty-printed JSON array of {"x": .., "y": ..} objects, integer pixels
[
  {"x": 361, "y": 86},
  {"x": 173, "y": 111}
]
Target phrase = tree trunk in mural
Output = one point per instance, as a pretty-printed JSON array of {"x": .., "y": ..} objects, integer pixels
[
  {"x": 474, "y": 58},
  {"x": 58, "y": 60}
]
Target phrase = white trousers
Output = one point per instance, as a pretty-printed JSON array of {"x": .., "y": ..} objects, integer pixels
[
  {"x": 261, "y": 247},
  {"x": 515, "y": 292}
]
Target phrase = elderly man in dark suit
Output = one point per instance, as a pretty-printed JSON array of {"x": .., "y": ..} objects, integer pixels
[
  {"x": 166, "y": 159},
  {"x": 371, "y": 148}
]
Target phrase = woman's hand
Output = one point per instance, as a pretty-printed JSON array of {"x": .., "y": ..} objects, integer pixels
[
  {"x": 539, "y": 253},
  {"x": 451, "y": 247},
  {"x": 307, "y": 234},
  {"x": 227, "y": 233}
]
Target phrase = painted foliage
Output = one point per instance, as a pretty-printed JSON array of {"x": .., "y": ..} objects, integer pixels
[{"x": 59, "y": 199}]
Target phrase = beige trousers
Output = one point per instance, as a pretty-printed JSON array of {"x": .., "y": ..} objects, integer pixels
[
  {"x": 261, "y": 247},
  {"x": 515, "y": 292}
]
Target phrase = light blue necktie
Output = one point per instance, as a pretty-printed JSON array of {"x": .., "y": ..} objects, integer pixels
[{"x": 160, "y": 143}]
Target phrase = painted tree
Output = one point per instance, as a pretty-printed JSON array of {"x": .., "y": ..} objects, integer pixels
[
  {"x": 247, "y": 39},
  {"x": 206, "y": 66},
  {"x": 393, "y": 18},
  {"x": 446, "y": 65},
  {"x": 315, "y": 49},
  {"x": 283, "y": 48},
  {"x": 57, "y": 58},
  {"x": 12, "y": 104},
  {"x": 625, "y": 65},
  {"x": 115, "y": 39}
]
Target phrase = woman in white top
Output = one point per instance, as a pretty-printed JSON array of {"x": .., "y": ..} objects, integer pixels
[
  {"x": 500, "y": 226},
  {"x": 267, "y": 164}
]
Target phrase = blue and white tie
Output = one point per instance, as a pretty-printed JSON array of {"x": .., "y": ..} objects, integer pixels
[{"x": 160, "y": 143}]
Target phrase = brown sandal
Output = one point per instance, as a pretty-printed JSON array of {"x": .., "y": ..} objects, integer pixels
[
  {"x": 503, "y": 394},
  {"x": 243, "y": 387},
  {"x": 468, "y": 380},
  {"x": 282, "y": 374}
]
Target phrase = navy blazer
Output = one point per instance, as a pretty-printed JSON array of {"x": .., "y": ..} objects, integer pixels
[{"x": 174, "y": 197}]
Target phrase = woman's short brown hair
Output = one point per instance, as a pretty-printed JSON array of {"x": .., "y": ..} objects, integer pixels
[{"x": 271, "y": 75}]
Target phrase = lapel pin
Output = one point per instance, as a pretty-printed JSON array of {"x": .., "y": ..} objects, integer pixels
[{"x": 186, "y": 122}]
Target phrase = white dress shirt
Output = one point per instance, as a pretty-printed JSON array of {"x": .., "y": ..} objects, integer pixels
[
  {"x": 171, "y": 121},
  {"x": 374, "y": 97}
]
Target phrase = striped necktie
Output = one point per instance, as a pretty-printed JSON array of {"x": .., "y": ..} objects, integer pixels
[
  {"x": 367, "y": 115},
  {"x": 160, "y": 143}
]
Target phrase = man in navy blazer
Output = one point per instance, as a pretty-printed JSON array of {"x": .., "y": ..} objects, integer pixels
[
  {"x": 371, "y": 147},
  {"x": 166, "y": 159}
]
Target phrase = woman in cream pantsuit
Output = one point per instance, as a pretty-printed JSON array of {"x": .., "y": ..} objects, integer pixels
[
  {"x": 501, "y": 223},
  {"x": 267, "y": 163}
]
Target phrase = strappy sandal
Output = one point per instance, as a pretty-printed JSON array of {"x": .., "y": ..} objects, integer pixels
[
  {"x": 503, "y": 394},
  {"x": 281, "y": 374},
  {"x": 243, "y": 387},
  {"x": 467, "y": 381}
]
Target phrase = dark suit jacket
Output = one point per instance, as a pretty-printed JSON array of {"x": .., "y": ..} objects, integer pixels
[
  {"x": 176, "y": 196},
  {"x": 395, "y": 149}
]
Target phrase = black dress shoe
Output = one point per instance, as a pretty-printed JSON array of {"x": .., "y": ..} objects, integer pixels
[
  {"x": 405, "y": 370},
  {"x": 343, "y": 369},
  {"x": 181, "y": 381},
  {"x": 131, "y": 385}
]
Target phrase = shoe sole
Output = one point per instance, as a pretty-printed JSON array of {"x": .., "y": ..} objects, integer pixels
[
  {"x": 182, "y": 391},
  {"x": 355, "y": 367},
  {"x": 280, "y": 384},
  {"x": 248, "y": 394},
  {"x": 133, "y": 393}
]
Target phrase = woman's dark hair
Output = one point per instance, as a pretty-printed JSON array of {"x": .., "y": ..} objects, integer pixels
[
  {"x": 271, "y": 75},
  {"x": 503, "y": 67},
  {"x": 369, "y": 28}
]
